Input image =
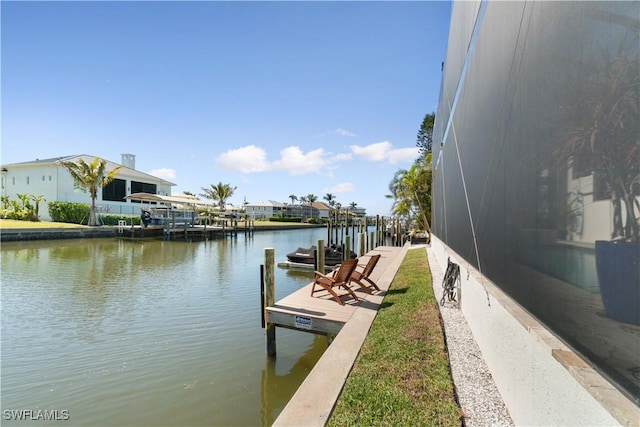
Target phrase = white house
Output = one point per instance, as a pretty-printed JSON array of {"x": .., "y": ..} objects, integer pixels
[
  {"x": 48, "y": 178},
  {"x": 264, "y": 210},
  {"x": 358, "y": 211},
  {"x": 323, "y": 210}
]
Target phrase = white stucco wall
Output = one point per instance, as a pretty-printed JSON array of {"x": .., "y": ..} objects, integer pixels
[
  {"x": 56, "y": 184},
  {"x": 541, "y": 380}
]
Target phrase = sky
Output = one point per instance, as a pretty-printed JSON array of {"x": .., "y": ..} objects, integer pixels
[{"x": 273, "y": 98}]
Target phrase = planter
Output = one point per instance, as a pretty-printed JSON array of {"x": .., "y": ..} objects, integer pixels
[{"x": 618, "y": 266}]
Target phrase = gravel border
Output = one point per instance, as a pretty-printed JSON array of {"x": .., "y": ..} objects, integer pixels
[{"x": 477, "y": 393}]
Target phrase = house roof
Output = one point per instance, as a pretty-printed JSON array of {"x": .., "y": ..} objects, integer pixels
[
  {"x": 271, "y": 203},
  {"x": 125, "y": 170},
  {"x": 319, "y": 205},
  {"x": 42, "y": 161}
]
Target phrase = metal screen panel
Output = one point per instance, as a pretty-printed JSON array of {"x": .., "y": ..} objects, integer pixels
[{"x": 536, "y": 148}]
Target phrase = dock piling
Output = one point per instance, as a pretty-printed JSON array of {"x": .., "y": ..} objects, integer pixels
[
  {"x": 361, "y": 247},
  {"x": 269, "y": 293},
  {"x": 346, "y": 254},
  {"x": 320, "y": 262}
]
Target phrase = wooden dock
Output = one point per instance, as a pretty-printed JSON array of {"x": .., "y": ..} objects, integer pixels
[
  {"x": 320, "y": 313},
  {"x": 196, "y": 232}
]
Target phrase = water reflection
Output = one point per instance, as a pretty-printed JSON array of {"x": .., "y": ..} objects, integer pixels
[
  {"x": 147, "y": 332},
  {"x": 276, "y": 379}
]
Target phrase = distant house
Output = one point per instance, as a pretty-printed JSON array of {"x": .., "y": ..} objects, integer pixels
[
  {"x": 321, "y": 209},
  {"x": 264, "y": 210},
  {"x": 358, "y": 211},
  {"x": 48, "y": 178}
]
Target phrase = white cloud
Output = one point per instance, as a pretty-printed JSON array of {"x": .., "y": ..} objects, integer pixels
[
  {"x": 164, "y": 173},
  {"x": 384, "y": 151},
  {"x": 343, "y": 187},
  {"x": 244, "y": 159},
  {"x": 341, "y": 157},
  {"x": 293, "y": 160},
  {"x": 373, "y": 152},
  {"x": 343, "y": 132},
  {"x": 403, "y": 155}
]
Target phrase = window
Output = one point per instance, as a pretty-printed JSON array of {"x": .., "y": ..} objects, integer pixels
[
  {"x": 115, "y": 190},
  {"x": 78, "y": 188},
  {"x": 27, "y": 180},
  {"x": 142, "y": 187}
]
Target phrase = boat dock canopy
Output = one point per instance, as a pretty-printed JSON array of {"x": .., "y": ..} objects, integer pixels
[{"x": 179, "y": 200}]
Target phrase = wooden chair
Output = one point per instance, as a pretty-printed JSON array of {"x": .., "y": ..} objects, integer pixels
[
  {"x": 338, "y": 278},
  {"x": 359, "y": 276}
]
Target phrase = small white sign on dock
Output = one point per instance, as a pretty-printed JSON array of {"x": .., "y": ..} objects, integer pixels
[{"x": 303, "y": 322}]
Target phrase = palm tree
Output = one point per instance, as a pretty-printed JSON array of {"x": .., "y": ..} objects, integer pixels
[
  {"x": 24, "y": 198},
  {"x": 411, "y": 191},
  {"x": 219, "y": 193},
  {"x": 312, "y": 198},
  {"x": 338, "y": 207},
  {"x": 605, "y": 136},
  {"x": 37, "y": 200},
  {"x": 330, "y": 198},
  {"x": 303, "y": 200},
  {"x": 293, "y": 198},
  {"x": 91, "y": 176}
]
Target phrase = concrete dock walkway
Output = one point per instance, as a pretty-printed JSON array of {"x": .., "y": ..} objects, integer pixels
[{"x": 313, "y": 403}]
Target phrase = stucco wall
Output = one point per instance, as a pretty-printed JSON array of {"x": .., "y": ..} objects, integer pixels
[
  {"x": 56, "y": 184},
  {"x": 542, "y": 381}
]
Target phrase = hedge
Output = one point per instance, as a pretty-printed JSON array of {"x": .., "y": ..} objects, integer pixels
[{"x": 74, "y": 213}]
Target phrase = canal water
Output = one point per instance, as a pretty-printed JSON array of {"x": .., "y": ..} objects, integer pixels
[{"x": 148, "y": 332}]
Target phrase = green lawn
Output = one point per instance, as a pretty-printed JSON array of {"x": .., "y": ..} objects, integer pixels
[
  {"x": 13, "y": 223},
  {"x": 401, "y": 376}
]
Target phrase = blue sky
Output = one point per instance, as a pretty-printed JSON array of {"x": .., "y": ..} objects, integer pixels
[{"x": 275, "y": 98}]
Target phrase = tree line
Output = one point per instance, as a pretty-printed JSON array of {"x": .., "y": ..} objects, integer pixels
[{"x": 410, "y": 188}]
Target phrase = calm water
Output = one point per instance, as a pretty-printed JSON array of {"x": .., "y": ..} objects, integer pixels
[{"x": 121, "y": 332}]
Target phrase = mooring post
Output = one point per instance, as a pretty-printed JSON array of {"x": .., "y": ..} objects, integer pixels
[
  {"x": 347, "y": 247},
  {"x": 269, "y": 295},
  {"x": 185, "y": 229},
  {"x": 329, "y": 232},
  {"x": 371, "y": 241},
  {"x": 320, "y": 265},
  {"x": 361, "y": 246}
]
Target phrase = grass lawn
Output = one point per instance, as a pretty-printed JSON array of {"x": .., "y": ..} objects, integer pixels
[
  {"x": 13, "y": 223},
  {"x": 401, "y": 376}
]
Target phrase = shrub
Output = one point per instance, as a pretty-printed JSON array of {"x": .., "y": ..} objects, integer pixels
[
  {"x": 21, "y": 210},
  {"x": 74, "y": 213},
  {"x": 318, "y": 220},
  {"x": 19, "y": 214},
  {"x": 285, "y": 219},
  {"x": 111, "y": 219}
]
